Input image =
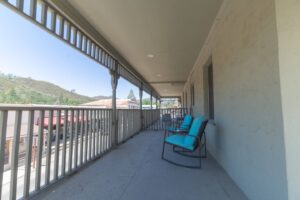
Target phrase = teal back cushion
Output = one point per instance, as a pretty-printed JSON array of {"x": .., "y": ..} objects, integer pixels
[
  {"x": 190, "y": 138},
  {"x": 186, "y": 122}
]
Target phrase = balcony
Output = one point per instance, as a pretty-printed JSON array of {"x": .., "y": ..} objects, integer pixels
[
  {"x": 51, "y": 144},
  {"x": 236, "y": 62},
  {"x": 134, "y": 170}
]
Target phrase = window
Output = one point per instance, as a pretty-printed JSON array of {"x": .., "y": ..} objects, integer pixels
[{"x": 210, "y": 92}]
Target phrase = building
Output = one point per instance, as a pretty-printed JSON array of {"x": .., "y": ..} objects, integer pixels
[
  {"x": 121, "y": 103},
  {"x": 234, "y": 61}
]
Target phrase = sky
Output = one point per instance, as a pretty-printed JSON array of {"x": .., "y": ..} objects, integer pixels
[{"x": 26, "y": 50}]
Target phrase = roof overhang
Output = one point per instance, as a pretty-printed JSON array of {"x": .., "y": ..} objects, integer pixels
[{"x": 157, "y": 39}]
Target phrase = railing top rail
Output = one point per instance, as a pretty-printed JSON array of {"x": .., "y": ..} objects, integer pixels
[{"x": 47, "y": 107}]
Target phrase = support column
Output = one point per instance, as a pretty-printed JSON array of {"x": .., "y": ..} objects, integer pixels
[
  {"x": 156, "y": 103},
  {"x": 114, "y": 83},
  {"x": 141, "y": 106}
]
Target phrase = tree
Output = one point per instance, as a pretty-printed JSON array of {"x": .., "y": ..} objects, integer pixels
[
  {"x": 73, "y": 91},
  {"x": 11, "y": 96},
  {"x": 131, "y": 96},
  {"x": 146, "y": 101}
]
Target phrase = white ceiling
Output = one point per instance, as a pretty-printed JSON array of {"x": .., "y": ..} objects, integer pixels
[{"x": 173, "y": 31}]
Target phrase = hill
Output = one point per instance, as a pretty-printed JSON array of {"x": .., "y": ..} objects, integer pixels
[
  {"x": 100, "y": 97},
  {"x": 21, "y": 90}
]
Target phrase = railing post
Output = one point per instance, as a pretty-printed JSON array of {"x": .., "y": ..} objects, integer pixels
[
  {"x": 151, "y": 100},
  {"x": 141, "y": 106},
  {"x": 114, "y": 83},
  {"x": 3, "y": 127}
]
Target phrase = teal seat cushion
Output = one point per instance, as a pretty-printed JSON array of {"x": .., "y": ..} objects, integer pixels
[
  {"x": 184, "y": 126},
  {"x": 178, "y": 140},
  {"x": 174, "y": 129},
  {"x": 191, "y": 137},
  {"x": 187, "y": 121}
]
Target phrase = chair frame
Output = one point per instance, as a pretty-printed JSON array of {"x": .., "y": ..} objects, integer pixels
[{"x": 199, "y": 144}]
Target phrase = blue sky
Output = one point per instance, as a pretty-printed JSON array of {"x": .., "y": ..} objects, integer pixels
[{"x": 28, "y": 51}]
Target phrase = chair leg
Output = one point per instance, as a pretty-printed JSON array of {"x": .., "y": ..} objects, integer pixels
[
  {"x": 163, "y": 150},
  {"x": 178, "y": 164},
  {"x": 205, "y": 151},
  {"x": 200, "y": 164}
]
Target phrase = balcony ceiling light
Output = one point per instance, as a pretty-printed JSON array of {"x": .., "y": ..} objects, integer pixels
[{"x": 150, "y": 56}]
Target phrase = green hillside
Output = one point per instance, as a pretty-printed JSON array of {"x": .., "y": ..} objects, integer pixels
[{"x": 18, "y": 90}]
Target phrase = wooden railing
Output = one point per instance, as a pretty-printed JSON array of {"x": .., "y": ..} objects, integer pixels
[
  {"x": 160, "y": 119},
  {"x": 56, "y": 141},
  {"x": 129, "y": 123},
  {"x": 40, "y": 145}
]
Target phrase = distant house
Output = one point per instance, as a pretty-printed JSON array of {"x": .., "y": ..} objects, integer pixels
[{"x": 121, "y": 103}]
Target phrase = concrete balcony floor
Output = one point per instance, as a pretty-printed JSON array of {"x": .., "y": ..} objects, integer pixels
[{"x": 135, "y": 171}]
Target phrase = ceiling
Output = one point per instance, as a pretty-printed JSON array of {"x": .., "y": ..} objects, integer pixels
[{"x": 161, "y": 39}]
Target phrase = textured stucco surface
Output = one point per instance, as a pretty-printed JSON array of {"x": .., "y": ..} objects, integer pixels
[
  {"x": 247, "y": 139},
  {"x": 288, "y": 24}
]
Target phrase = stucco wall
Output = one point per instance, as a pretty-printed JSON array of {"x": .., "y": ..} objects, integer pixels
[
  {"x": 248, "y": 137},
  {"x": 288, "y": 24}
]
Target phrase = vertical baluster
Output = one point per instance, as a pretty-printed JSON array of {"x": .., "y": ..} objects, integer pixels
[
  {"x": 28, "y": 154},
  {"x": 39, "y": 151},
  {"x": 106, "y": 120},
  {"x": 62, "y": 27},
  {"x": 75, "y": 37},
  {"x": 44, "y": 14},
  {"x": 63, "y": 164},
  {"x": 97, "y": 132},
  {"x": 94, "y": 133},
  {"x": 109, "y": 125},
  {"x": 33, "y": 9},
  {"x": 119, "y": 119},
  {"x": 124, "y": 126},
  {"x": 48, "y": 151},
  {"x": 104, "y": 130},
  {"x": 76, "y": 140},
  {"x": 81, "y": 136},
  {"x": 71, "y": 132},
  {"x": 90, "y": 135},
  {"x": 68, "y": 34},
  {"x": 101, "y": 131},
  {"x": 20, "y": 5},
  {"x": 15, "y": 155},
  {"x": 120, "y": 126},
  {"x": 132, "y": 122},
  {"x": 79, "y": 43},
  {"x": 86, "y": 135},
  {"x": 3, "y": 126},
  {"x": 128, "y": 124},
  {"x": 57, "y": 145}
]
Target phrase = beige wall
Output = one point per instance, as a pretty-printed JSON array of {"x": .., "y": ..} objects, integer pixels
[
  {"x": 288, "y": 24},
  {"x": 248, "y": 138}
]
